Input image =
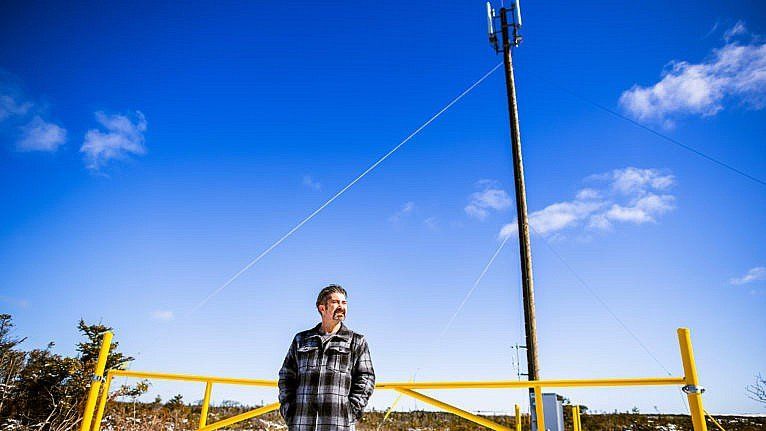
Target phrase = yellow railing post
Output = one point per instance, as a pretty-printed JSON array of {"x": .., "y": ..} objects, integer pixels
[
  {"x": 574, "y": 418},
  {"x": 518, "y": 417},
  {"x": 95, "y": 385},
  {"x": 205, "y": 405},
  {"x": 539, "y": 413},
  {"x": 692, "y": 389},
  {"x": 102, "y": 403},
  {"x": 579, "y": 419}
]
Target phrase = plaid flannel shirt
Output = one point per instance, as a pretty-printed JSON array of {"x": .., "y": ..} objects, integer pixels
[{"x": 325, "y": 386}]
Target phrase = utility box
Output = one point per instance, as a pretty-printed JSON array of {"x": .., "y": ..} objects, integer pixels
[{"x": 553, "y": 410}]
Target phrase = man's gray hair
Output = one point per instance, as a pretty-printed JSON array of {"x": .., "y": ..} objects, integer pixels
[{"x": 325, "y": 293}]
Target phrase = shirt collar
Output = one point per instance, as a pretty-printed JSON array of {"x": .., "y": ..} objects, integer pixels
[{"x": 343, "y": 331}]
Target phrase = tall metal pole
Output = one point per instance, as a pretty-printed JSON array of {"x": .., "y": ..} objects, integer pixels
[{"x": 525, "y": 250}]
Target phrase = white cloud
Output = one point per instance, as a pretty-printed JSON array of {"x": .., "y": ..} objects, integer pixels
[
  {"x": 9, "y": 106},
  {"x": 556, "y": 217},
  {"x": 507, "y": 230},
  {"x": 561, "y": 215},
  {"x": 588, "y": 194},
  {"x": 735, "y": 72},
  {"x": 432, "y": 223},
  {"x": 632, "y": 181},
  {"x": 738, "y": 29},
  {"x": 124, "y": 137},
  {"x": 13, "y": 102},
  {"x": 629, "y": 195},
  {"x": 310, "y": 183},
  {"x": 406, "y": 210},
  {"x": 162, "y": 315},
  {"x": 40, "y": 135},
  {"x": 599, "y": 222},
  {"x": 754, "y": 274},
  {"x": 490, "y": 197},
  {"x": 26, "y": 119},
  {"x": 642, "y": 210}
]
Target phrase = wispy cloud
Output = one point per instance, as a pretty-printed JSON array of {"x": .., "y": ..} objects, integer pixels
[
  {"x": 310, "y": 183},
  {"x": 405, "y": 211},
  {"x": 15, "y": 302},
  {"x": 10, "y": 106},
  {"x": 40, "y": 135},
  {"x": 738, "y": 29},
  {"x": 432, "y": 223},
  {"x": 734, "y": 73},
  {"x": 629, "y": 195},
  {"x": 26, "y": 119},
  {"x": 712, "y": 29},
  {"x": 123, "y": 137},
  {"x": 490, "y": 197},
  {"x": 757, "y": 273},
  {"x": 164, "y": 315}
]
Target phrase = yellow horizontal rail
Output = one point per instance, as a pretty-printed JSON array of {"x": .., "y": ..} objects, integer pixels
[
  {"x": 487, "y": 384},
  {"x": 194, "y": 378},
  {"x": 505, "y": 384}
]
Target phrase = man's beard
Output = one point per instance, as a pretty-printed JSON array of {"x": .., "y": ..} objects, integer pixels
[{"x": 339, "y": 316}]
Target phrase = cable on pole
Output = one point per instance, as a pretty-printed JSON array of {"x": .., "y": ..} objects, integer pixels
[
  {"x": 343, "y": 190},
  {"x": 608, "y": 309},
  {"x": 665, "y": 137}
]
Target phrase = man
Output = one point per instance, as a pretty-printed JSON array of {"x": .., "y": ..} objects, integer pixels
[{"x": 327, "y": 376}]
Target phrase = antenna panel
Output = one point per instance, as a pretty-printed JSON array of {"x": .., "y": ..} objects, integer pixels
[
  {"x": 490, "y": 19},
  {"x": 518, "y": 12}
]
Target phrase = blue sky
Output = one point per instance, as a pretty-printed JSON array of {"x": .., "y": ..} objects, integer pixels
[{"x": 150, "y": 151}]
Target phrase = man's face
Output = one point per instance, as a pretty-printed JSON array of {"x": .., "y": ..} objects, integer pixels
[{"x": 335, "y": 308}]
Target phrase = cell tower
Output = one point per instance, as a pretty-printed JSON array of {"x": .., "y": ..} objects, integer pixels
[{"x": 509, "y": 39}]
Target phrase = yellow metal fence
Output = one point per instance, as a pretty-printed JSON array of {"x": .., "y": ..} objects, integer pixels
[{"x": 99, "y": 391}]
